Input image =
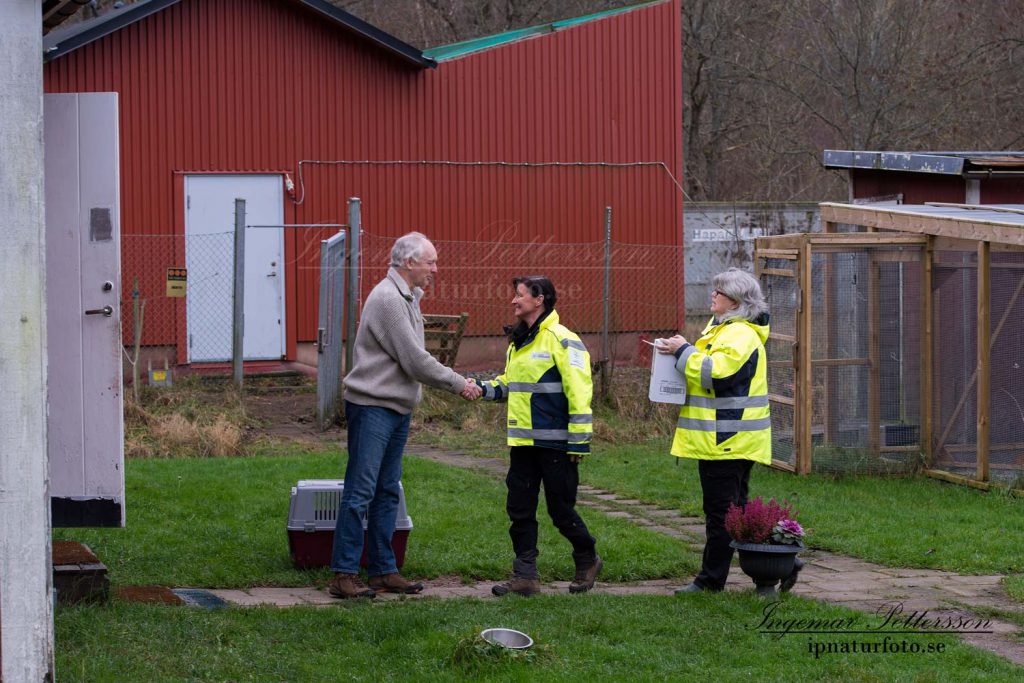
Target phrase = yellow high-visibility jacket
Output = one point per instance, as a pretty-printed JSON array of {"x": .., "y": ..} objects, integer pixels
[
  {"x": 726, "y": 411},
  {"x": 548, "y": 387}
]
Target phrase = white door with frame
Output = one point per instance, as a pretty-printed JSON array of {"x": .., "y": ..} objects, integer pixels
[
  {"x": 209, "y": 256},
  {"x": 85, "y": 421}
]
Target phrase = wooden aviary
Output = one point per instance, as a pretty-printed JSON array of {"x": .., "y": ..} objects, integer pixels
[{"x": 875, "y": 320}]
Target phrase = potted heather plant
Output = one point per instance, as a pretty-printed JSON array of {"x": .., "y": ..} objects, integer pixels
[{"x": 768, "y": 539}]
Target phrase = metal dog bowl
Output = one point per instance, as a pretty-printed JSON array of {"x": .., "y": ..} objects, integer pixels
[{"x": 506, "y": 637}]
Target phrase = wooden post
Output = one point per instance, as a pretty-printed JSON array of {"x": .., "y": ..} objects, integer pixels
[
  {"x": 874, "y": 369},
  {"x": 926, "y": 352},
  {"x": 26, "y": 615},
  {"x": 984, "y": 354},
  {"x": 238, "y": 296},
  {"x": 805, "y": 372},
  {"x": 829, "y": 416}
]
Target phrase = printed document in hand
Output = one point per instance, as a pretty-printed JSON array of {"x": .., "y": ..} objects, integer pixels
[{"x": 667, "y": 385}]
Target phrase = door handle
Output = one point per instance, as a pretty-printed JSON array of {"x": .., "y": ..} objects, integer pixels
[
  {"x": 272, "y": 274},
  {"x": 106, "y": 310}
]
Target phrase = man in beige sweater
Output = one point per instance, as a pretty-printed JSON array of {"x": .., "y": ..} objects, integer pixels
[{"x": 381, "y": 391}]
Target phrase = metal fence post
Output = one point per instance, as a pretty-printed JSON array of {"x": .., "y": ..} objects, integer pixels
[
  {"x": 352, "y": 300},
  {"x": 605, "y": 318},
  {"x": 238, "y": 298}
]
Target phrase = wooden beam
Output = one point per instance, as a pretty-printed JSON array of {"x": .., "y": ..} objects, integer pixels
[
  {"x": 957, "y": 479},
  {"x": 864, "y": 238},
  {"x": 784, "y": 400},
  {"x": 890, "y": 218},
  {"x": 805, "y": 372},
  {"x": 789, "y": 254},
  {"x": 830, "y": 416},
  {"x": 775, "y": 271},
  {"x": 954, "y": 244},
  {"x": 984, "y": 370},
  {"x": 972, "y": 266},
  {"x": 779, "y": 243},
  {"x": 839, "y": 362},
  {"x": 926, "y": 353},
  {"x": 874, "y": 369}
]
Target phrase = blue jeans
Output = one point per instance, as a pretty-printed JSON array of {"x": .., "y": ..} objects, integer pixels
[{"x": 376, "y": 438}]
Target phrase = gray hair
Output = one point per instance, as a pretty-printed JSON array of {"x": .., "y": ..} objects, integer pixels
[
  {"x": 407, "y": 247},
  {"x": 744, "y": 289}
]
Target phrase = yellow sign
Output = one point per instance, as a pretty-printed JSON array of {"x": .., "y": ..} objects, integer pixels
[
  {"x": 176, "y": 280},
  {"x": 159, "y": 375}
]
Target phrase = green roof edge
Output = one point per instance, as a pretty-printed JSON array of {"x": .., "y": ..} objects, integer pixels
[{"x": 443, "y": 53}]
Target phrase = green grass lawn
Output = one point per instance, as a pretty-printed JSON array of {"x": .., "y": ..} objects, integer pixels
[
  {"x": 591, "y": 637},
  {"x": 907, "y": 522},
  {"x": 221, "y": 522}
]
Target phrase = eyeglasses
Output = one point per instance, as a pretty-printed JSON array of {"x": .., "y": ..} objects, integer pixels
[{"x": 715, "y": 292}]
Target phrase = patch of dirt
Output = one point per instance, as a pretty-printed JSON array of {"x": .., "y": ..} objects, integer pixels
[
  {"x": 72, "y": 552},
  {"x": 153, "y": 595},
  {"x": 288, "y": 416}
]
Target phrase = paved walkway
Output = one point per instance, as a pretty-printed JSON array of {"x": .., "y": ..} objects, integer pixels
[{"x": 828, "y": 577}]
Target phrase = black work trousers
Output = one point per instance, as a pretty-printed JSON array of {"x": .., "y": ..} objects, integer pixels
[
  {"x": 529, "y": 467},
  {"x": 722, "y": 482}
]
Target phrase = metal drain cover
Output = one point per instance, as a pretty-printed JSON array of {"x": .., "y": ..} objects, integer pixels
[{"x": 195, "y": 597}]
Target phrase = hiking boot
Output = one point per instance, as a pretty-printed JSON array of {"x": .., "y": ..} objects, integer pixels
[
  {"x": 345, "y": 586},
  {"x": 394, "y": 583},
  {"x": 586, "y": 576},
  {"x": 787, "y": 583},
  {"x": 518, "y": 585}
]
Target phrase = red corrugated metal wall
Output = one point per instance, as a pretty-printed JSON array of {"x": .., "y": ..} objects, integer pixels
[{"x": 245, "y": 86}]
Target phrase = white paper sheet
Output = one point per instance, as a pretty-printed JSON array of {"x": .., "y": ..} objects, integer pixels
[{"x": 667, "y": 385}]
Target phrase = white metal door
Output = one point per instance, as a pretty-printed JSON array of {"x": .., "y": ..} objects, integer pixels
[
  {"x": 83, "y": 310},
  {"x": 209, "y": 249}
]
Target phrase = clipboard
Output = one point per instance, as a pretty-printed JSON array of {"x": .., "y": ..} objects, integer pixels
[{"x": 667, "y": 385}]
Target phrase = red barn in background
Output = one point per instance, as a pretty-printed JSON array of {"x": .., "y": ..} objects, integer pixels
[{"x": 520, "y": 138}]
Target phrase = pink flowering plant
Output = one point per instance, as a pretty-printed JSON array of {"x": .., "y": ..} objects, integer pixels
[{"x": 761, "y": 522}]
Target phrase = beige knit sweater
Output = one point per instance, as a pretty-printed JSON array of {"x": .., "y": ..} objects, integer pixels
[{"x": 390, "y": 358}]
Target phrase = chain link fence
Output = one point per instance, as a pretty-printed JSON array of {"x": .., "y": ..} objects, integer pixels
[{"x": 643, "y": 282}]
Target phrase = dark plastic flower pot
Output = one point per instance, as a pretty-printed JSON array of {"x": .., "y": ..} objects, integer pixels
[{"x": 767, "y": 563}]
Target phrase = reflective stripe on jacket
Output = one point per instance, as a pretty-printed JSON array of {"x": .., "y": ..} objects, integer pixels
[
  {"x": 726, "y": 411},
  {"x": 548, "y": 387}
]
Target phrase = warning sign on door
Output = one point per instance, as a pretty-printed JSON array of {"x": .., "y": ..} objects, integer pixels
[{"x": 176, "y": 280}]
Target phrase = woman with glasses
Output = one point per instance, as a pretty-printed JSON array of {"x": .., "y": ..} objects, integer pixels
[
  {"x": 725, "y": 424},
  {"x": 548, "y": 387}
]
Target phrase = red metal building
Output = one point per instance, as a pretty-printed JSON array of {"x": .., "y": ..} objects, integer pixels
[{"x": 303, "y": 92}]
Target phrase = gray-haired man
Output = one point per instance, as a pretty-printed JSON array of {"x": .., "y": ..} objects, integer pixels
[{"x": 381, "y": 391}]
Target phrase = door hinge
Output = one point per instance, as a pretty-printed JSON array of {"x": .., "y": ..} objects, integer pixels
[
  {"x": 188, "y": 201},
  {"x": 190, "y": 341}
]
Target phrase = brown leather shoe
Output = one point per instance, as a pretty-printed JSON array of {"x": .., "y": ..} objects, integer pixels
[
  {"x": 517, "y": 585},
  {"x": 586, "y": 576},
  {"x": 394, "y": 583},
  {"x": 345, "y": 586}
]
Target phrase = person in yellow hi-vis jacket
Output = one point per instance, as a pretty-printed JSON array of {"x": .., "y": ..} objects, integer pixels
[
  {"x": 725, "y": 424},
  {"x": 548, "y": 387}
]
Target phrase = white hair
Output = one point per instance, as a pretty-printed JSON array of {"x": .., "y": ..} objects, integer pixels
[
  {"x": 744, "y": 289},
  {"x": 407, "y": 247}
]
